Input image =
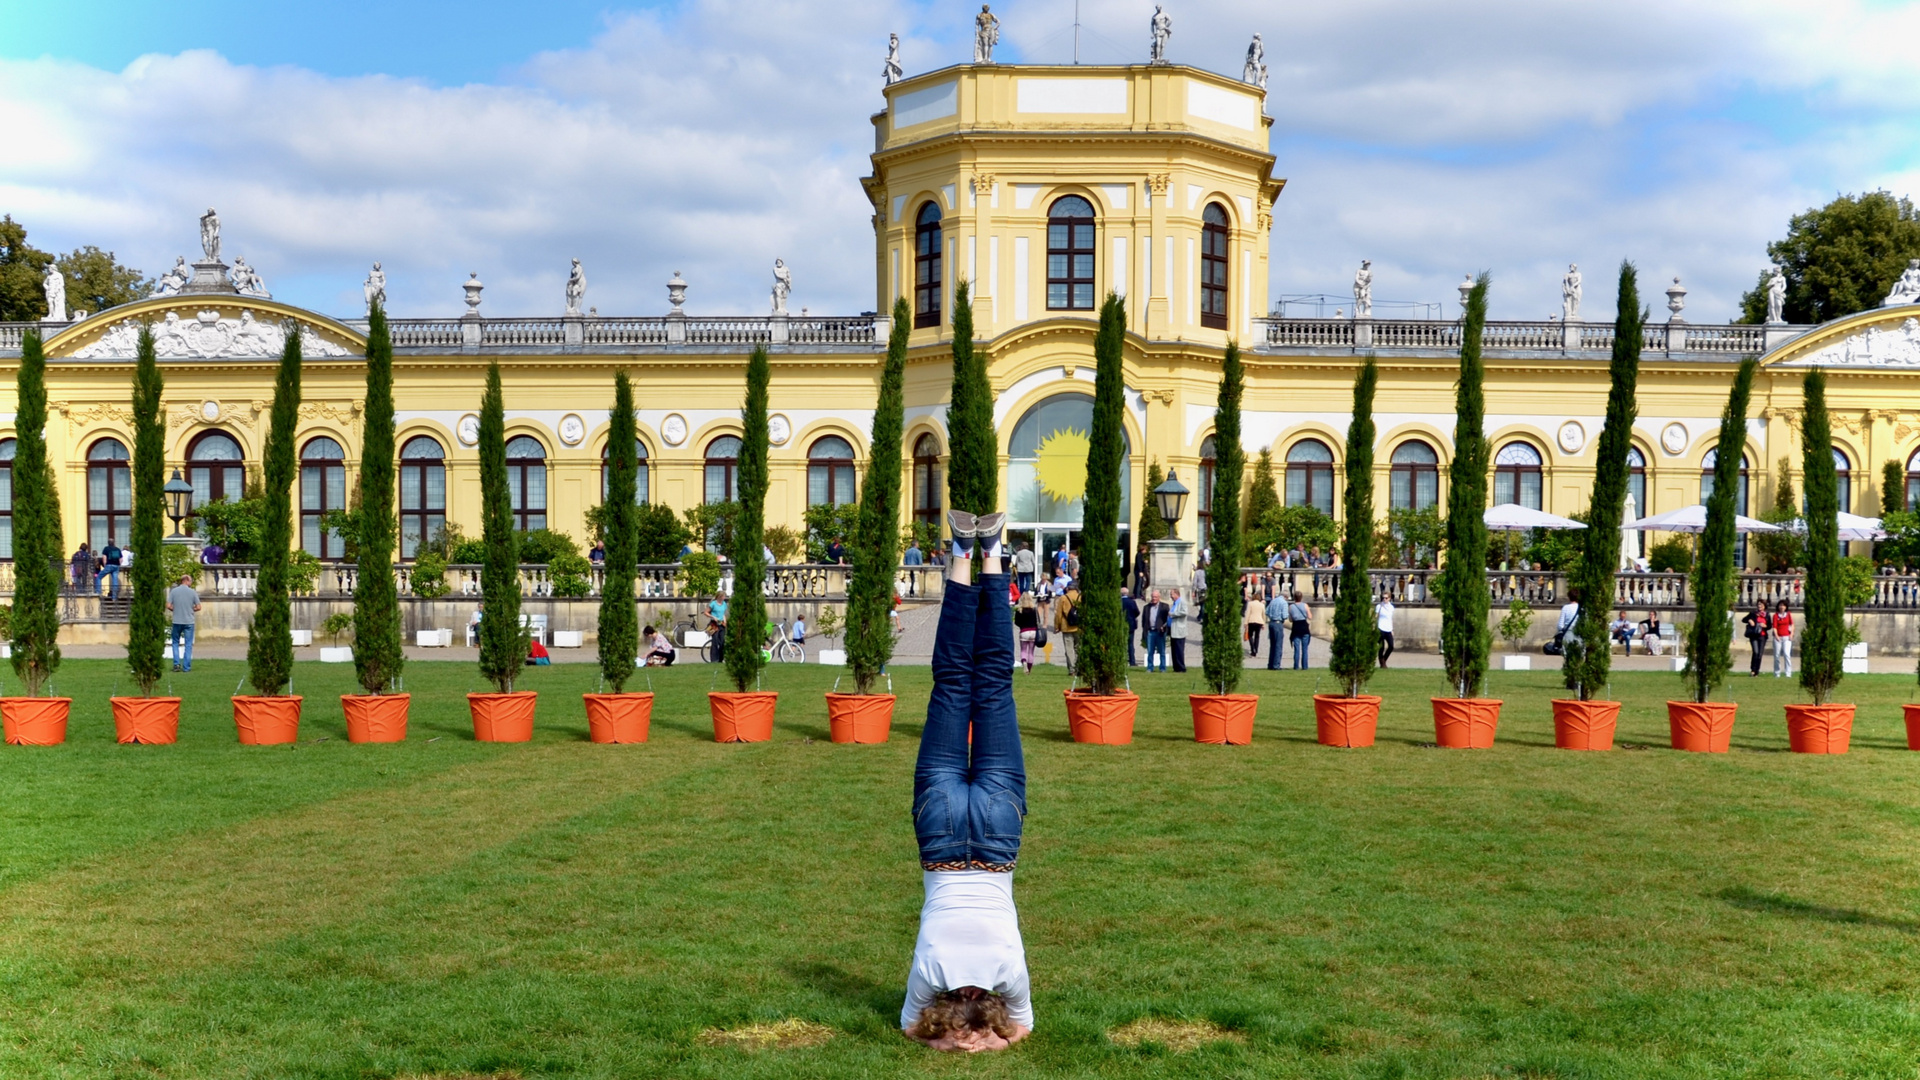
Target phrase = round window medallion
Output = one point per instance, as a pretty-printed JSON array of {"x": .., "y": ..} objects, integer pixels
[
  {"x": 209, "y": 410},
  {"x": 1673, "y": 438},
  {"x": 779, "y": 430},
  {"x": 1572, "y": 436},
  {"x": 468, "y": 429},
  {"x": 572, "y": 429},
  {"x": 674, "y": 429}
]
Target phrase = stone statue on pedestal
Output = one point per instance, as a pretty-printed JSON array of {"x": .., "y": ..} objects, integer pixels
[
  {"x": 1907, "y": 289},
  {"x": 1255, "y": 71},
  {"x": 375, "y": 288},
  {"x": 1162, "y": 27},
  {"x": 246, "y": 280},
  {"x": 782, "y": 285},
  {"x": 1776, "y": 297},
  {"x": 173, "y": 280},
  {"x": 56, "y": 285},
  {"x": 1363, "y": 290},
  {"x": 576, "y": 288},
  {"x": 1570, "y": 293},
  {"x": 210, "y": 235},
  {"x": 986, "y": 34},
  {"x": 893, "y": 72}
]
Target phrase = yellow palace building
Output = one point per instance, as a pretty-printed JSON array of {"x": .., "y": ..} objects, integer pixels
[{"x": 1044, "y": 188}]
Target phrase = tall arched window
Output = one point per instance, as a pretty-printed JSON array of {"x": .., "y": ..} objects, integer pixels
[
  {"x": 639, "y": 472},
  {"x": 1310, "y": 475},
  {"x": 1913, "y": 480},
  {"x": 1213, "y": 267},
  {"x": 1070, "y": 246},
  {"x": 1209, "y": 470},
  {"x": 323, "y": 487},
  {"x": 1637, "y": 487},
  {"x": 927, "y": 251},
  {"x": 527, "y": 482},
  {"x": 8, "y": 447},
  {"x": 109, "y": 494},
  {"x": 1414, "y": 477},
  {"x": 926, "y": 481},
  {"x": 1516, "y": 476},
  {"x": 723, "y": 465},
  {"x": 423, "y": 493},
  {"x": 216, "y": 468},
  {"x": 1706, "y": 480},
  {"x": 1843, "y": 482},
  {"x": 830, "y": 471}
]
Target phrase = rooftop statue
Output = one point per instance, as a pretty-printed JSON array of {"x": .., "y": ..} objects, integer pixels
[
  {"x": 1255, "y": 71},
  {"x": 1776, "y": 298},
  {"x": 1907, "y": 289},
  {"x": 375, "y": 288},
  {"x": 210, "y": 235},
  {"x": 56, "y": 285},
  {"x": 1363, "y": 290},
  {"x": 893, "y": 72},
  {"x": 1162, "y": 27},
  {"x": 986, "y": 34},
  {"x": 172, "y": 281},
  {"x": 576, "y": 288},
  {"x": 1570, "y": 293},
  {"x": 782, "y": 285},
  {"x": 247, "y": 280}
]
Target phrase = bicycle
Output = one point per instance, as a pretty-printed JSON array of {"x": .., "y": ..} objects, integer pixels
[{"x": 785, "y": 650}]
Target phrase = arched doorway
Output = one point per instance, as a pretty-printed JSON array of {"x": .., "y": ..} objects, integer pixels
[{"x": 1047, "y": 477}]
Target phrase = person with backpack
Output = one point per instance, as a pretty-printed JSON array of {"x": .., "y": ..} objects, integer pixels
[
  {"x": 110, "y": 569},
  {"x": 1300, "y": 620},
  {"x": 1066, "y": 623}
]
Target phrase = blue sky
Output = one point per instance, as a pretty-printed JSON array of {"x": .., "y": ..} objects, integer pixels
[{"x": 710, "y": 137}]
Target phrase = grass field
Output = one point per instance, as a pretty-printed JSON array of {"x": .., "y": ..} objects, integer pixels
[{"x": 445, "y": 908}]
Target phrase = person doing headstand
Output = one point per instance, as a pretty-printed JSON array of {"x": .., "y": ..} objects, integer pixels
[{"x": 967, "y": 987}]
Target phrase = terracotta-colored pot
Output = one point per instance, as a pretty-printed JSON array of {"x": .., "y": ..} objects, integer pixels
[
  {"x": 1913, "y": 726},
  {"x": 1819, "y": 729},
  {"x": 1465, "y": 723},
  {"x": 267, "y": 721},
  {"x": 619, "y": 718},
  {"x": 1223, "y": 719},
  {"x": 1584, "y": 725},
  {"x": 35, "y": 721},
  {"x": 1704, "y": 727},
  {"x": 1346, "y": 721},
  {"x": 743, "y": 717},
  {"x": 376, "y": 717},
  {"x": 1102, "y": 718},
  {"x": 502, "y": 717},
  {"x": 151, "y": 720},
  {"x": 862, "y": 718}
]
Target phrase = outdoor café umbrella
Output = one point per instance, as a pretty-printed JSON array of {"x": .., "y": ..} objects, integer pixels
[
  {"x": 1693, "y": 519},
  {"x": 1852, "y": 527},
  {"x": 1512, "y": 517}
]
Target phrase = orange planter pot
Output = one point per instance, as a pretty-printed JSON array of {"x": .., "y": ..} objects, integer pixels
[
  {"x": 743, "y": 717},
  {"x": 1913, "y": 726},
  {"x": 1223, "y": 719},
  {"x": 150, "y": 720},
  {"x": 35, "y": 721},
  {"x": 1106, "y": 719},
  {"x": 1702, "y": 727},
  {"x": 619, "y": 718},
  {"x": 1465, "y": 723},
  {"x": 1819, "y": 729},
  {"x": 502, "y": 717},
  {"x": 1346, "y": 721},
  {"x": 861, "y": 718},
  {"x": 267, "y": 721},
  {"x": 1584, "y": 725},
  {"x": 376, "y": 717}
]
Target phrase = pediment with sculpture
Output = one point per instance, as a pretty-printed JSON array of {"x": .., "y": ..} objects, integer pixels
[
  {"x": 1880, "y": 338},
  {"x": 205, "y": 328}
]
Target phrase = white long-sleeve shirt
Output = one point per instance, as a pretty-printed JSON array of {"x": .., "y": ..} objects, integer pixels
[{"x": 969, "y": 936}]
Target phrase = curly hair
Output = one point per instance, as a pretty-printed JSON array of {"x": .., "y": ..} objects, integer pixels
[{"x": 955, "y": 1011}]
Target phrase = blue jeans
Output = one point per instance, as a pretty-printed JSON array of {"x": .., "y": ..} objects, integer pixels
[
  {"x": 1133, "y": 632},
  {"x": 1275, "y": 631},
  {"x": 183, "y": 646},
  {"x": 968, "y": 814},
  {"x": 1300, "y": 644},
  {"x": 112, "y": 574},
  {"x": 1026, "y": 582},
  {"x": 1157, "y": 646}
]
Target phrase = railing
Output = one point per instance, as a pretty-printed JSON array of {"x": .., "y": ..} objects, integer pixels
[
  {"x": 1540, "y": 588},
  {"x": 523, "y": 332},
  {"x": 1525, "y": 336},
  {"x": 810, "y": 330},
  {"x": 424, "y": 333},
  {"x": 1723, "y": 339},
  {"x": 642, "y": 331},
  {"x": 746, "y": 330}
]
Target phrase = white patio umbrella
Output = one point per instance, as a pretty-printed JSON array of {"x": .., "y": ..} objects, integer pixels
[
  {"x": 1693, "y": 519},
  {"x": 1512, "y": 517},
  {"x": 1852, "y": 527},
  {"x": 1629, "y": 544}
]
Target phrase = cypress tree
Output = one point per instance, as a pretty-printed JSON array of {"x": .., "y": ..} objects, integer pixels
[
  {"x": 38, "y": 546},
  {"x": 619, "y": 620},
  {"x": 1465, "y": 639},
  {"x": 1263, "y": 496},
  {"x": 1220, "y": 625},
  {"x": 1893, "y": 487},
  {"x": 876, "y": 539},
  {"x": 973, "y": 470},
  {"x": 1356, "y": 633},
  {"x": 147, "y": 613},
  {"x": 1103, "y": 629},
  {"x": 1712, "y": 632},
  {"x": 1588, "y": 668},
  {"x": 1823, "y": 639},
  {"x": 747, "y": 612},
  {"x": 503, "y": 644},
  {"x": 270, "y": 635},
  {"x": 377, "y": 653},
  {"x": 1152, "y": 527}
]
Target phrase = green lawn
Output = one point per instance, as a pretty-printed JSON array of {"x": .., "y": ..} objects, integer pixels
[{"x": 444, "y": 908}]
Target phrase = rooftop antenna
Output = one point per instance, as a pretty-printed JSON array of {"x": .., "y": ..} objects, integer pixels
[{"x": 1076, "y": 31}]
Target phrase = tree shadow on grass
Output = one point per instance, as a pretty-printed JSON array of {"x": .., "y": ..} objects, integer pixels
[
  {"x": 840, "y": 984},
  {"x": 1774, "y": 904}
]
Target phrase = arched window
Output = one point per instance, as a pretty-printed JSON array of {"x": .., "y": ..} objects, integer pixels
[
  {"x": 1414, "y": 477},
  {"x": 1070, "y": 247},
  {"x": 1310, "y": 475},
  {"x": 640, "y": 489},
  {"x": 423, "y": 493},
  {"x": 8, "y": 447},
  {"x": 830, "y": 472},
  {"x": 1706, "y": 480},
  {"x": 723, "y": 465},
  {"x": 1213, "y": 267},
  {"x": 1913, "y": 481},
  {"x": 926, "y": 481},
  {"x": 927, "y": 251},
  {"x": 1843, "y": 482},
  {"x": 323, "y": 487},
  {"x": 1209, "y": 470},
  {"x": 527, "y": 482},
  {"x": 1637, "y": 487},
  {"x": 216, "y": 468},
  {"x": 1516, "y": 476},
  {"x": 109, "y": 494}
]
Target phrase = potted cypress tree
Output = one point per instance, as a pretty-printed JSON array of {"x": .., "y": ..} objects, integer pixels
[
  {"x": 620, "y": 717},
  {"x": 746, "y": 714},
  {"x": 1583, "y": 723},
  {"x": 1223, "y": 717},
  {"x": 1101, "y": 709},
  {"x": 1351, "y": 719},
  {"x": 37, "y": 549},
  {"x": 1699, "y": 724},
  {"x": 1467, "y": 719},
  {"x": 379, "y": 715},
  {"x": 270, "y": 715},
  {"x": 1822, "y": 726},
  {"x": 506, "y": 715},
  {"x": 864, "y": 716},
  {"x": 147, "y": 719}
]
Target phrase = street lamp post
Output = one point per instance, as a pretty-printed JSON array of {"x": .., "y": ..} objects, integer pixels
[
  {"x": 1172, "y": 558},
  {"x": 179, "y": 507}
]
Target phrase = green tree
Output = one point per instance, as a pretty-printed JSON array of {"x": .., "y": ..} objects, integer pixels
[
  {"x": 1263, "y": 498},
  {"x": 1781, "y": 551},
  {"x": 619, "y": 618},
  {"x": 147, "y": 612},
  {"x": 503, "y": 644},
  {"x": 973, "y": 467},
  {"x": 1893, "y": 487},
  {"x": 1220, "y": 623},
  {"x": 1356, "y": 633},
  {"x": 1839, "y": 258},
  {"x": 1589, "y": 667},
  {"x": 96, "y": 282},
  {"x": 1712, "y": 630},
  {"x": 876, "y": 540},
  {"x": 747, "y": 610},
  {"x": 1305, "y": 527},
  {"x": 1102, "y": 664},
  {"x": 1823, "y": 638},
  {"x": 1152, "y": 525},
  {"x": 270, "y": 635},
  {"x": 37, "y": 542},
  {"x": 23, "y": 271},
  {"x": 1465, "y": 639},
  {"x": 378, "y": 656}
]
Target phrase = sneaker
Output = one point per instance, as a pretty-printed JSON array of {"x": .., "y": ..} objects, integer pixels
[
  {"x": 963, "y": 525},
  {"x": 987, "y": 529}
]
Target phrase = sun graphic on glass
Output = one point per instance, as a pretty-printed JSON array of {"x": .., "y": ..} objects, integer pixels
[{"x": 1061, "y": 465}]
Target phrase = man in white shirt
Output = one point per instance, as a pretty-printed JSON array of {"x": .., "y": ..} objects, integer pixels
[{"x": 1383, "y": 616}]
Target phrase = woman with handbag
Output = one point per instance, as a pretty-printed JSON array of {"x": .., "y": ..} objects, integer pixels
[{"x": 1757, "y": 622}]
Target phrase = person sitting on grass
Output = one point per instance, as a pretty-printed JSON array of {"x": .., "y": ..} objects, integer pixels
[{"x": 967, "y": 987}]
